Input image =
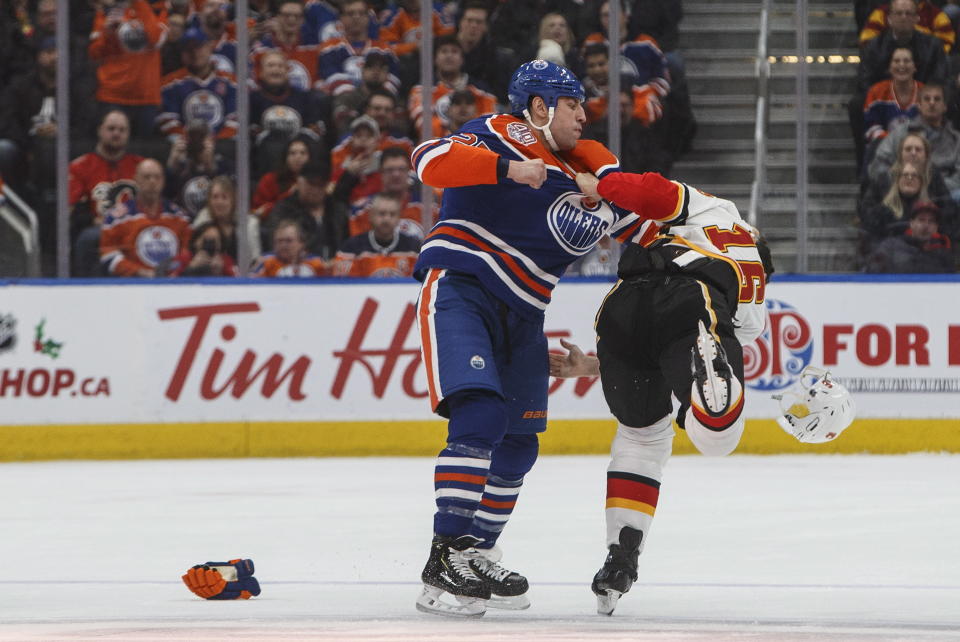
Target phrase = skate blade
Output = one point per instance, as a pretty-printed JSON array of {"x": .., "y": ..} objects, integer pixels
[
  {"x": 714, "y": 391},
  {"x": 509, "y": 602},
  {"x": 608, "y": 602},
  {"x": 430, "y": 602}
]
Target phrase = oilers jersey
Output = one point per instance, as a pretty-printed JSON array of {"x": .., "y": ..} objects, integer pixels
[
  {"x": 212, "y": 99},
  {"x": 516, "y": 240}
]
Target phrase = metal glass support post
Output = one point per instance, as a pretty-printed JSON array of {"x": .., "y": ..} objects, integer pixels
[
  {"x": 802, "y": 138},
  {"x": 242, "y": 196},
  {"x": 426, "y": 85},
  {"x": 613, "y": 80},
  {"x": 63, "y": 139}
]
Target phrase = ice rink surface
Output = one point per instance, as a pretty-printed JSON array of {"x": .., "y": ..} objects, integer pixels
[{"x": 742, "y": 548}]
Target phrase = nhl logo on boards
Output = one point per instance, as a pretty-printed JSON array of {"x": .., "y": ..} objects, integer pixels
[
  {"x": 521, "y": 133},
  {"x": 8, "y": 332},
  {"x": 477, "y": 362}
]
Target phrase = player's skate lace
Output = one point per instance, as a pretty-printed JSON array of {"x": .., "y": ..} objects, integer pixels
[
  {"x": 507, "y": 588},
  {"x": 461, "y": 565},
  {"x": 492, "y": 570}
]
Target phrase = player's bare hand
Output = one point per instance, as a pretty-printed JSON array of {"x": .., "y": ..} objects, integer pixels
[
  {"x": 588, "y": 185},
  {"x": 573, "y": 364},
  {"x": 531, "y": 172}
]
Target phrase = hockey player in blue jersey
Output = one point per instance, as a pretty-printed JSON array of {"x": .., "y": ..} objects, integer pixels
[{"x": 512, "y": 220}]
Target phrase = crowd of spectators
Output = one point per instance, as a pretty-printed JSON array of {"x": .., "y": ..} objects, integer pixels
[
  {"x": 905, "y": 115},
  {"x": 335, "y": 111}
]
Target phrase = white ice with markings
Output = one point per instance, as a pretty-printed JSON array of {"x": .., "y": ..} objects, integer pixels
[{"x": 769, "y": 548}]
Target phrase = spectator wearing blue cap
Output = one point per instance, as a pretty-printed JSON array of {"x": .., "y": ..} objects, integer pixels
[{"x": 198, "y": 91}]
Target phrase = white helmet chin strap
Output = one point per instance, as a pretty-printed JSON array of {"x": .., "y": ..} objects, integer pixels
[{"x": 545, "y": 129}]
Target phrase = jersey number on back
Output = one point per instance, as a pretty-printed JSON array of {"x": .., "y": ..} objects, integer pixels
[{"x": 753, "y": 282}]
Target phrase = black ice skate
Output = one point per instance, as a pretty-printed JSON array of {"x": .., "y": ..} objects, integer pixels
[
  {"x": 618, "y": 572},
  {"x": 507, "y": 588},
  {"x": 712, "y": 374},
  {"x": 448, "y": 571}
]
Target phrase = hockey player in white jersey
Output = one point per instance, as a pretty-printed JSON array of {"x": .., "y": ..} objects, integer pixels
[{"x": 686, "y": 300}]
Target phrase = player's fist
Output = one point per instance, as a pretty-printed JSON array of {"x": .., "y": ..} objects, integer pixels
[
  {"x": 588, "y": 185},
  {"x": 531, "y": 172},
  {"x": 231, "y": 580}
]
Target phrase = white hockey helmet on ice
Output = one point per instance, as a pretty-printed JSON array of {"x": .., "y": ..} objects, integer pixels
[{"x": 817, "y": 408}]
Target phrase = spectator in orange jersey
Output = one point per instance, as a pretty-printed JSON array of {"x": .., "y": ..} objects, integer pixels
[
  {"x": 383, "y": 251},
  {"x": 401, "y": 30},
  {"x": 126, "y": 41},
  {"x": 398, "y": 183},
  {"x": 290, "y": 257},
  {"x": 142, "y": 236},
  {"x": 279, "y": 183},
  {"x": 205, "y": 255},
  {"x": 892, "y": 101},
  {"x": 98, "y": 181},
  {"x": 287, "y": 36},
  {"x": 448, "y": 62}
]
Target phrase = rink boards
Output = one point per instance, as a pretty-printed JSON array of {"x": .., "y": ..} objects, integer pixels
[{"x": 325, "y": 367}]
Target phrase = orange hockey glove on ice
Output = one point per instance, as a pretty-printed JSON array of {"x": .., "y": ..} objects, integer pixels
[{"x": 231, "y": 580}]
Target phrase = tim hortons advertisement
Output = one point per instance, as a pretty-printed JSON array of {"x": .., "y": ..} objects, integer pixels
[{"x": 302, "y": 352}]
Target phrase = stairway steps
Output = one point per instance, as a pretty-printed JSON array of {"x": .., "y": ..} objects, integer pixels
[{"x": 718, "y": 40}]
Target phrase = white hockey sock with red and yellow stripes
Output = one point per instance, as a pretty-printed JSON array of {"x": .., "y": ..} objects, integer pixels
[{"x": 638, "y": 456}]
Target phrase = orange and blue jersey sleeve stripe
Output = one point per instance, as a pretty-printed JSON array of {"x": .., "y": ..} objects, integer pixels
[{"x": 444, "y": 162}]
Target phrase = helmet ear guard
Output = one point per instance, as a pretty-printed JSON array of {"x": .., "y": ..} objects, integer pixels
[{"x": 817, "y": 409}]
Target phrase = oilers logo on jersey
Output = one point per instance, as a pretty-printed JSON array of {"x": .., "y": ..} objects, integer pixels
[
  {"x": 576, "y": 226},
  {"x": 282, "y": 120},
  {"x": 156, "y": 244},
  {"x": 195, "y": 193},
  {"x": 204, "y": 105},
  {"x": 298, "y": 75}
]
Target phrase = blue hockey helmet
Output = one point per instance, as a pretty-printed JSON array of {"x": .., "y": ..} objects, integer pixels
[{"x": 541, "y": 78}]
